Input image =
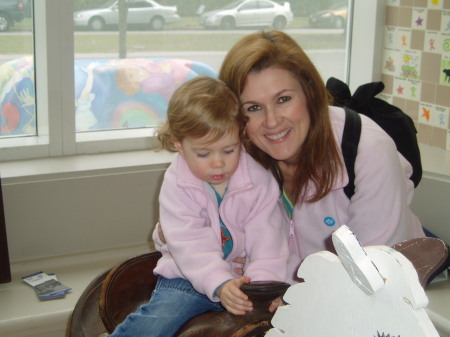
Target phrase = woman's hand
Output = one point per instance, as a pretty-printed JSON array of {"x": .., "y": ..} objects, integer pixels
[
  {"x": 161, "y": 234},
  {"x": 239, "y": 260},
  {"x": 233, "y": 299}
]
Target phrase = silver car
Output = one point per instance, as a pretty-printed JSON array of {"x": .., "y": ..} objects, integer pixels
[
  {"x": 147, "y": 13},
  {"x": 247, "y": 13}
]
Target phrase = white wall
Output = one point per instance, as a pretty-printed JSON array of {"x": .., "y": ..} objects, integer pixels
[
  {"x": 89, "y": 210},
  {"x": 432, "y": 205}
]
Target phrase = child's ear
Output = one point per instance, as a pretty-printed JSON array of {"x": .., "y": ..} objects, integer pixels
[{"x": 178, "y": 146}]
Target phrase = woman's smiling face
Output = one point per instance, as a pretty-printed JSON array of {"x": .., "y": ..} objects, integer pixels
[{"x": 278, "y": 118}]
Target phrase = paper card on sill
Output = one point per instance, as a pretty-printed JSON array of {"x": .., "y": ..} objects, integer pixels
[{"x": 47, "y": 287}]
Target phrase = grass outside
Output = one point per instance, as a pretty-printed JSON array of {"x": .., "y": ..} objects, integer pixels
[{"x": 193, "y": 40}]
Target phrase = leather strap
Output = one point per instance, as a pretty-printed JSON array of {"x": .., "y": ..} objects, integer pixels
[{"x": 349, "y": 146}]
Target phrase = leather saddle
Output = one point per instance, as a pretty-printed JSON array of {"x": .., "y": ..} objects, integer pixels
[{"x": 117, "y": 292}]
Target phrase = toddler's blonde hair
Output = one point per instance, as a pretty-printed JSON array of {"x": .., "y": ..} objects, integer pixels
[{"x": 201, "y": 106}]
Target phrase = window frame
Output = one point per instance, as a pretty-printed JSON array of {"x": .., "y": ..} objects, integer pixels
[{"x": 54, "y": 64}]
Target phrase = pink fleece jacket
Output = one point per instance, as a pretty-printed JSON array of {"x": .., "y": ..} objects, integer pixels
[{"x": 190, "y": 222}]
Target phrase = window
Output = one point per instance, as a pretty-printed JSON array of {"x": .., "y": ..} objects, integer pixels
[
  {"x": 264, "y": 4},
  {"x": 249, "y": 6},
  {"x": 18, "y": 116},
  {"x": 70, "y": 60}
]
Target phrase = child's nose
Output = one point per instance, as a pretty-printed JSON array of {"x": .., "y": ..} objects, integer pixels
[{"x": 218, "y": 162}]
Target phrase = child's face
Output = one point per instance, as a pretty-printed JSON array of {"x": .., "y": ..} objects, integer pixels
[{"x": 213, "y": 162}]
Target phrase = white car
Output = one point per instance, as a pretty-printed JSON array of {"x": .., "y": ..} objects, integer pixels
[
  {"x": 247, "y": 13},
  {"x": 147, "y": 13}
]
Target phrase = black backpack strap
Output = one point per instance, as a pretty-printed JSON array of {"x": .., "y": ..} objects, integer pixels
[{"x": 349, "y": 146}]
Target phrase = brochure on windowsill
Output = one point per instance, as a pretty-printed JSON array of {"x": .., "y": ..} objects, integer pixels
[{"x": 47, "y": 287}]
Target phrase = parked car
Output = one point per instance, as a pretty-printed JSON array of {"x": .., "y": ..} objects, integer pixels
[
  {"x": 246, "y": 13},
  {"x": 11, "y": 11},
  {"x": 146, "y": 13},
  {"x": 333, "y": 17}
]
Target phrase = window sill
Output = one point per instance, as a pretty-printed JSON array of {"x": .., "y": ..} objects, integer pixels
[
  {"x": 21, "y": 312},
  {"x": 23, "y": 315},
  {"x": 436, "y": 164},
  {"x": 75, "y": 166}
]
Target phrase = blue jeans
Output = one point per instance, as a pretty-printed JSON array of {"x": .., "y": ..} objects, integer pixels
[{"x": 173, "y": 303}]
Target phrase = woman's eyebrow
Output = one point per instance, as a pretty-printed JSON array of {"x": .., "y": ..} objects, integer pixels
[{"x": 278, "y": 93}]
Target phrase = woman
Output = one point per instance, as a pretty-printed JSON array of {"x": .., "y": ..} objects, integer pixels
[{"x": 292, "y": 131}]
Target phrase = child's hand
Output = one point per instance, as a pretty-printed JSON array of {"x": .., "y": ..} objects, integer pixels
[
  {"x": 233, "y": 299},
  {"x": 275, "y": 304},
  {"x": 241, "y": 261}
]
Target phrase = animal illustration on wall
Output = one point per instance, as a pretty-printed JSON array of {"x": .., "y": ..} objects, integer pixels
[{"x": 447, "y": 75}]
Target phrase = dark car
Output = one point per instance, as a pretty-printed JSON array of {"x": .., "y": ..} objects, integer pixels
[
  {"x": 11, "y": 11},
  {"x": 333, "y": 17}
]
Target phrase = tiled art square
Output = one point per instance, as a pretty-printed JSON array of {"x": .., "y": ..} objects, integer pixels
[
  {"x": 443, "y": 95},
  {"x": 403, "y": 39},
  {"x": 425, "y": 112},
  {"x": 434, "y": 20},
  {"x": 446, "y": 4},
  {"x": 390, "y": 37},
  {"x": 399, "y": 87},
  {"x": 392, "y": 14},
  {"x": 405, "y": 16},
  {"x": 417, "y": 39},
  {"x": 445, "y": 22},
  {"x": 438, "y": 137},
  {"x": 419, "y": 18},
  {"x": 410, "y": 65},
  {"x": 445, "y": 71},
  {"x": 388, "y": 81},
  {"x": 435, "y": 4},
  {"x": 433, "y": 42},
  {"x": 445, "y": 43},
  {"x": 424, "y": 133},
  {"x": 430, "y": 67},
  {"x": 428, "y": 92},
  {"x": 391, "y": 62},
  {"x": 440, "y": 116},
  {"x": 412, "y": 109}
]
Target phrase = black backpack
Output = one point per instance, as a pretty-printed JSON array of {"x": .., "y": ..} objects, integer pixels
[{"x": 394, "y": 121}]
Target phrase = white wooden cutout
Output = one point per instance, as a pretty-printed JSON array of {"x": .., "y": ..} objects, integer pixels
[{"x": 342, "y": 295}]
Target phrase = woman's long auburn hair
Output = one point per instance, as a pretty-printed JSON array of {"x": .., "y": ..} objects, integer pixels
[{"x": 319, "y": 160}]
